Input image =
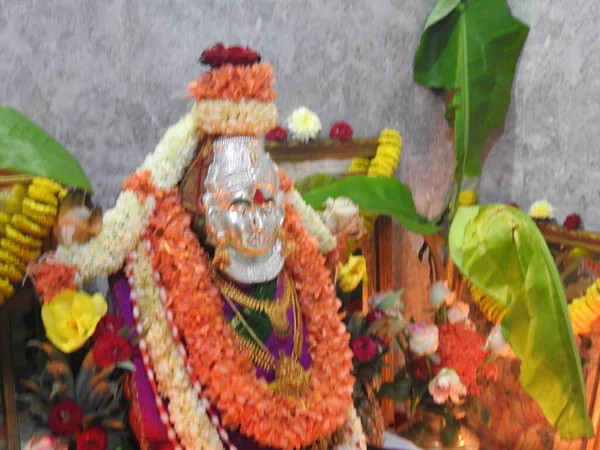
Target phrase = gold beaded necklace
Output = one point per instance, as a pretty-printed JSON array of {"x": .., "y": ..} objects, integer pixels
[
  {"x": 291, "y": 379},
  {"x": 275, "y": 311}
]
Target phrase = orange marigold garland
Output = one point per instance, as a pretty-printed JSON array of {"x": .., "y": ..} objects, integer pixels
[
  {"x": 51, "y": 277},
  {"x": 244, "y": 400}
]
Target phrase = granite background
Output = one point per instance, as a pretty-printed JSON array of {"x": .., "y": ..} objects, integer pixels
[{"x": 106, "y": 78}]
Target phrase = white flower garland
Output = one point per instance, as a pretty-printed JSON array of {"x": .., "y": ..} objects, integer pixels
[
  {"x": 122, "y": 227},
  {"x": 187, "y": 412},
  {"x": 244, "y": 118},
  {"x": 174, "y": 153},
  {"x": 354, "y": 437},
  {"x": 312, "y": 222}
]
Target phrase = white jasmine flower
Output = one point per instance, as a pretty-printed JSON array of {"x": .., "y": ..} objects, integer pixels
[{"x": 304, "y": 124}]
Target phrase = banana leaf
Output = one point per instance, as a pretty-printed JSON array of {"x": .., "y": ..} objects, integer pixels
[
  {"x": 314, "y": 181},
  {"x": 501, "y": 251},
  {"x": 27, "y": 149},
  {"x": 382, "y": 196},
  {"x": 469, "y": 50}
]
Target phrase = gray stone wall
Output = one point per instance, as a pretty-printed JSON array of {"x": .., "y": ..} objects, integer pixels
[{"x": 106, "y": 77}]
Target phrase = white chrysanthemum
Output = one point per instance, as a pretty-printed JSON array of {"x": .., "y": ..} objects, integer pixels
[
  {"x": 541, "y": 210},
  {"x": 312, "y": 222},
  {"x": 186, "y": 410},
  {"x": 123, "y": 224},
  {"x": 304, "y": 124}
]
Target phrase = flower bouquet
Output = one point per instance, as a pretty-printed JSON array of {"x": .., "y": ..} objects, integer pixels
[
  {"x": 76, "y": 400},
  {"x": 372, "y": 338},
  {"x": 447, "y": 365}
]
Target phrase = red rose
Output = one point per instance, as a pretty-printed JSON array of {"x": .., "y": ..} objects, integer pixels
[
  {"x": 108, "y": 324},
  {"x": 420, "y": 370},
  {"x": 572, "y": 221},
  {"x": 276, "y": 134},
  {"x": 374, "y": 315},
  {"x": 94, "y": 438},
  {"x": 65, "y": 417},
  {"x": 364, "y": 348},
  {"x": 215, "y": 56},
  {"x": 242, "y": 56},
  {"x": 111, "y": 348},
  {"x": 341, "y": 130}
]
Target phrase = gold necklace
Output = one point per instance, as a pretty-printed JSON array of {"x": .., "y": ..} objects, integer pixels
[
  {"x": 291, "y": 379},
  {"x": 276, "y": 311}
]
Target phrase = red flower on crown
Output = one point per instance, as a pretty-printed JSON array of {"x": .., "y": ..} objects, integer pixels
[
  {"x": 218, "y": 55},
  {"x": 65, "y": 417}
]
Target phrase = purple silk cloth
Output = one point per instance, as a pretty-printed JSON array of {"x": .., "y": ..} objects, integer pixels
[
  {"x": 122, "y": 302},
  {"x": 157, "y": 432}
]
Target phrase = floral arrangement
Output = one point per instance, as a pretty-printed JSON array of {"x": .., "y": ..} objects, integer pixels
[
  {"x": 447, "y": 363},
  {"x": 76, "y": 399},
  {"x": 373, "y": 336},
  {"x": 304, "y": 124}
]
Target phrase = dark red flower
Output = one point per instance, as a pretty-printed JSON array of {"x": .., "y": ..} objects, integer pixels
[
  {"x": 65, "y": 417},
  {"x": 354, "y": 306},
  {"x": 572, "y": 222},
  {"x": 242, "y": 56},
  {"x": 215, "y": 56},
  {"x": 111, "y": 348},
  {"x": 420, "y": 370},
  {"x": 94, "y": 438},
  {"x": 341, "y": 130},
  {"x": 108, "y": 324},
  {"x": 218, "y": 55},
  {"x": 374, "y": 315},
  {"x": 364, "y": 348},
  {"x": 276, "y": 134}
]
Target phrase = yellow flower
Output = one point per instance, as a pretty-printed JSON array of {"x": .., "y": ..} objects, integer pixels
[
  {"x": 467, "y": 198},
  {"x": 352, "y": 273},
  {"x": 541, "y": 210},
  {"x": 70, "y": 318}
]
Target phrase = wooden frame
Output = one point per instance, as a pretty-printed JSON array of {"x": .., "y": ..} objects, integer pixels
[{"x": 380, "y": 256}]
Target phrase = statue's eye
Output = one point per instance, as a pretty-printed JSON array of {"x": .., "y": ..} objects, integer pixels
[
  {"x": 239, "y": 206},
  {"x": 267, "y": 208}
]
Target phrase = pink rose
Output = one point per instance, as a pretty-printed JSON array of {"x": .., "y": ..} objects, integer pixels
[
  {"x": 364, "y": 348},
  {"x": 422, "y": 338},
  {"x": 497, "y": 344},
  {"x": 446, "y": 385},
  {"x": 439, "y": 294}
]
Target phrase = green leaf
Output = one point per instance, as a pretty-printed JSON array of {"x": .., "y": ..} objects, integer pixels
[
  {"x": 469, "y": 49},
  {"x": 450, "y": 430},
  {"x": 501, "y": 251},
  {"x": 314, "y": 181},
  {"x": 26, "y": 148},
  {"x": 398, "y": 390},
  {"x": 434, "y": 358},
  {"x": 382, "y": 196},
  {"x": 126, "y": 365},
  {"x": 390, "y": 300}
]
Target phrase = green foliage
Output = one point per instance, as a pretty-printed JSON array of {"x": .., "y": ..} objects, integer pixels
[
  {"x": 451, "y": 428},
  {"x": 398, "y": 390},
  {"x": 469, "y": 50},
  {"x": 502, "y": 252},
  {"x": 26, "y": 148},
  {"x": 314, "y": 181},
  {"x": 382, "y": 196}
]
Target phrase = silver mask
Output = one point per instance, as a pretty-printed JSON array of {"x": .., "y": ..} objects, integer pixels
[{"x": 244, "y": 205}]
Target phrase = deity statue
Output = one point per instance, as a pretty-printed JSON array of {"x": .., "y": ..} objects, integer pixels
[{"x": 220, "y": 267}]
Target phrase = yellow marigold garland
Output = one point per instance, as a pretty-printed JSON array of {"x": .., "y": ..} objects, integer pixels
[
  {"x": 28, "y": 212},
  {"x": 493, "y": 310},
  {"x": 586, "y": 309},
  {"x": 467, "y": 198},
  {"x": 384, "y": 164}
]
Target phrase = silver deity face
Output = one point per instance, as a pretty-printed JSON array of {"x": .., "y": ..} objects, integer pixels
[
  {"x": 252, "y": 217},
  {"x": 244, "y": 207}
]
